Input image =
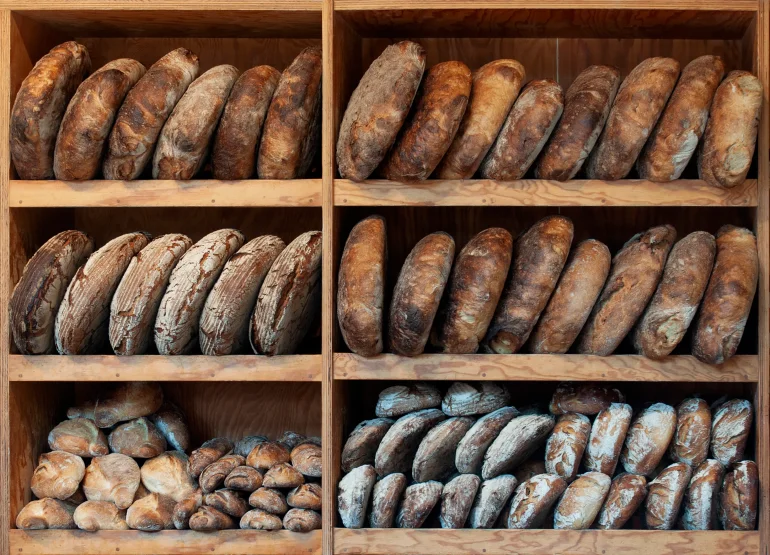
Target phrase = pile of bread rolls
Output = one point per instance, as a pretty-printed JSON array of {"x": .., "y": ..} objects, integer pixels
[
  {"x": 541, "y": 294},
  {"x": 218, "y": 294},
  {"x": 133, "y": 482},
  {"x": 123, "y": 116},
  {"x": 465, "y": 459},
  {"x": 454, "y": 123}
]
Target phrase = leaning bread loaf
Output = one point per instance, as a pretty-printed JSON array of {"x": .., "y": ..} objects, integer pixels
[
  {"x": 626, "y": 494},
  {"x": 491, "y": 499},
  {"x": 693, "y": 432},
  {"x": 469, "y": 455},
  {"x": 457, "y": 499},
  {"x": 353, "y": 494},
  {"x": 581, "y": 502},
  {"x": 517, "y": 441},
  {"x": 99, "y": 515},
  {"x": 185, "y": 508},
  {"x": 435, "y": 456},
  {"x": 213, "y": 476},
  {"x": 648, "y": 439},
  {"x": 385, "y": 500},
  {"x": 363, "y": 442},
  {"x": 739, "y": 498},
  {"x": 399, "y": 400},
  {"x": 397, "y": 449},
  {"x": 469, "y": 399},
  {"x": 112, "y": 478},
  {"x": 564, "y": 448},
  {"x": 78, "y": 436},
  {"x": 700, "y": 500},
  {"x": 418, "y": 502},
  {"x": 216, "y": 448},
  {"x": 730, "y": 430},
  {"x": 533, "y": 501},
  {"x": 167, "y": 474},
  {"x": 665, "y": 496}
]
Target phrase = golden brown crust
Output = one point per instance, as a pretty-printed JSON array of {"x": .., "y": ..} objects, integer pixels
[
  {"x": 208, "y": 453},
  {"x": 648, "y": 438},
  {"x": 626, "y": 494},
  {"x": 665, "y": 496},
  {"x": 137, "y": 438},
  {"x": 564, "y": 448},
  {"x": 606, "y": 440},
  {"x": 693, "y": 432},
  {"x": 739, "y": 498}
]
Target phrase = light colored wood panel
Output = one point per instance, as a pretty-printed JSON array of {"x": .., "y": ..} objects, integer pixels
[
  {"x": 538, "y": 192},
  {"x": 696, "y": 5}
]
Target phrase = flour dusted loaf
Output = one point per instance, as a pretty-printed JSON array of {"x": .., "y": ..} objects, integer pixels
[
  {"x": 608, "y": 433},
  {"x": 185, "y": 508},
  {"x": 112, "y": 478},
  {"x": 363, "y": 442},
  {"x": 399, "y": 400},
  {"x": 418, "y": 502},
  {"x": 516, "y": 442},
  {"x": 469, "y": 455},
  {"x": 151, "y": 513},
  {"x": 167, "y": 474},
  {"x": 78, "y": 436},
  {"x": 353, "y": 494},
  {"x": 491, "y": 499},
  {"x": 37, "y": 296},
  {"x": 730, "y": 430},
  {"x": 665, "y": 496},
  {"x": 127, "y": 401},
  {"x": 386, "y": 496},
  {"x": 564, "y": 448},
  {"x": 397, "y": 449},
  {"x": 213, "y": 476},
  {"x": 144, "y": 112},
  {"x": 581, "y": 502},
  {"x": 211, "y": 451},
  {"x": 435, "y": 456},
  {"x": 46, "y": 514},
  {"x": 257, "y": 519},
  {"x": 208, "y": 519},
  {"x": 583, "y": 398},
  {"x": 58, "y": 474},
  {"x": 648, "y": 439},
  {"x": 302, "y": 520},
  {"x": 86, "y": 125},
  {"x": 533, "y": 500},
  {"x": 701, "y": 497},
  {"x": 40, "y": 105},
  {"x": 626, "y": 494},
  {"x": 93, "y": 516},
  {"x": 738, "y": 498},
  {"x": 137, "y": 438},
  {"x": 457, "y": 500},
  {"x": 468, "y": 399},
  {"x": 693, "y": 432}
]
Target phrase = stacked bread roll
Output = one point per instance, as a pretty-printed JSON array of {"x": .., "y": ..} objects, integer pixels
[
  {"x": 465, "y": 460},
  {"x": 450, "y": 123},
  {"x": 133, "y": 482},
  {"x": 542, "y": 294},
  {"x": 218, "y": 294},
  {"x": 124, "y": 119}
]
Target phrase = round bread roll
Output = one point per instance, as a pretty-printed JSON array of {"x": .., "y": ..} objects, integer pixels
[
  {"x": 58, "y": 474},
  {"x": 306, "y": 496},
  {"x": 302, "y": 520},
  {"x": 583, "y": 398},
  {"x": 209, "y": 519},
  {"x": 270, "y": 500},
  {"x": 700, "y": 500},
  {"x": 648, "y": 439},
  {"x": 243, "y": 478},
  {"x": 46, "y": 514},
  {"x": 606, "y": 440},
  {"x": 78, "y": 436},
  {"x": 581, "y": 502},
  {"x": 739, "y": 498},
  {"x": 693, "y": 432},
  {"x": 665, "y": 496},
  {"x": 257, "y": 519},
  {"x": 730, "y": 430},
  {"x": 565, "y": 447},
  {"x": 282, "y": 475},
  {"x": 226, "y": 501},
  {"x": 533, "y": 501},
  {"x": 626, "y": 494},
  {"x": 266, "y": 454},
  {"x": 306, "y": 458},
  {"x": 112, "y": 478}
]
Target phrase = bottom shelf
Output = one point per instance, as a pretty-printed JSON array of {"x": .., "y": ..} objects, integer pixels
[{"x": 543, "y": 542}]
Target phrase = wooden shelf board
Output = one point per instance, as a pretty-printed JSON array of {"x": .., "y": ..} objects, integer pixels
[
  {"x": 543, "y": 542},
  {"x": 699, "y": 5},
  {"x": 98, "y": 368},
  {"x": 618, "y": 368},
  {"x": 150, "y": 192},
  {"x": 538, "y": 192},
  {"x": 79, "y": 542}
]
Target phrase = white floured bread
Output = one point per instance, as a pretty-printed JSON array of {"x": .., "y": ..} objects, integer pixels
[
  {"x": 353, "y": 495},
  {"x": 399, "y": 400},
  {"x": 465, "y": 399}
]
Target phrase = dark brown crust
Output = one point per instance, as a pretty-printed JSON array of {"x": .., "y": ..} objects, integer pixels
[
  {"x": 418, "y": 292},
  {"x": 626, "y": 494},
  {"x": 730, "y": 429},
  {"x": 533, "y": 499},
  {"x": 564, "y": 448},
  {"x": 236, "y": 142},
  {"x": 138, "y": 438},
  {"x": 306, "y": 496},
  {"x": 207, "y": 519},
  {"x": 208, "y": 453},
  {"x": 213, "y": 476},
  {"x": 435, "y": 457},
  {"x": 635, "y": 273},
  {"x": 538, "y": 258},
  {"x": 739, "y": 498},
  {"x": 729, "y": 295},
  {"x": 419, "y": 500},
  {"x": 302, "y": 520},
  {"x": 127, "y": 401},
  {"x": 227, "y": 501},
  {"x": 665, "y": 495},
  {"x": 701, "y": 498},
  {"x": 363, "y": 442},
  {"x": 292, "y": 129},
  {"x": 268, "y": 453},
  {"x": 399, "y": 445},
  {"x": 282, "y": 475},
  {"x": 432, "y": 125},
  {"x": 583, "y": 398},
  {"x": 457, "y": 499},
  {"x": 244, "y": 478},
  {"x": 469, "y": 455},
  {"x": 693, "y": 432},
  {"x": 185, "y": 508},
  {"x": 386, "y": 497}
]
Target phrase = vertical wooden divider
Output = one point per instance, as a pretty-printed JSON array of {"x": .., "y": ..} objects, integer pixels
[{"x": 5, "y": 257}]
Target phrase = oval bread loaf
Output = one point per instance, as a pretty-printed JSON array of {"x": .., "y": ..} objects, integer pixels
[
  {"x": 167, "y": 474},
  {"x": 468, "y": 399},
  {"x": 581, "y": 502},
  {"x": 397, "y": 449},
  {"x": 58, "y": 474},
  {"x": 490, "y": 501},
  {"x": 693, "y": 432},
  {"x": 626, "y": 494},
  {"x": 457, "y": 499},
  {"x": 127, "y": 401},
  {"x": 385, "y": 500},
  {"x": 730, "y": 430},
  {"x": 257, "y": 519},
  {"x": 472, "y": 447},
  {"x": 114, "y": 478},
  {"x": 564, "y": 448},
  {"x": 226, "y": 501},
  {"x": 99, "y": 515},
  {"x": 213, "y": 476},
  {"x": 700, "y": 500},
  {"x": 209, "y": 519},
  {"x": 210, "y": 452},
  {"x": 269, "y": 500},
  {"x": 353, "y": 495},
  {"x": 245, "y": 478},
  {"x": 46, "y": 514},
  {"x": 516, "y": 442},
  {"x": 418, "y": 502},
  {"x": 648, "y": 439},
  {"x": 301, "y": 520},
  {"x": 435, "y": 456},
  {"x": 306, "y": 496},
  {"x": 266, "y": 454},
  {"x": 152, "y": 513},
  {"x": 738, "y": 498},
  {"x": 665, "y": 496},
  {"x": 533, "y": 500},
  {"x": 583, "y": 398},
  {"x": 399, "y": 400},
  {"x": 606, "y": 440},
  {"x": 138, "y": 438}
]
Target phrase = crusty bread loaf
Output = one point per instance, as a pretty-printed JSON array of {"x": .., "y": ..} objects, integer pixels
[
  {"x": 386, "y": 497},
  {"x": 700, "y": 500},
  {"x": 210, "y": 452},
  {"x": 729, "y": 295},
  {"x": 739, "y": 498},
  {"x": 266, "y": 454},
  {"x": 85, "y": 127},
  {"x": 243, "y": 478},
  {"x": 84, "y": 410},
  {"x": 227, "y": 501},
  {"x": 257, "y": 519},
  {"x": 533, "y": 500},
  {"x": 418, "y": 292},
  {"x": 538, "y": 258},
  {"x": 435, "y": 456},
  {"x": 39, "y": 106},
  {"x": 648, "y": 439},
  {"x": 516, "y": 442},
  {"x": 399, "y": 400},
  {"x": 171, "y": 423},
  {"x": 353, "y": 494},
  {"x": 731, "y": 131},
  {"x": 289, "y": 299},
  {"x": 730, "y": 430},
  {"x": 209, "y": 519},
  {"x": 606, "y": 440},
  {"x": 58, "y": 475},
  {"x": 361, "y": 286},
  {"x": 144, "y": 112},
  {"x": 185, "y": 508},
  {"x": 675, "y": 137},
  {"x": 93, "y": 516},
  {"x": 292, "y": 130},
  {"x": 529, "y": 469},
  {"x": 418, "y": 502},
  {"x": 457, "y": 499},
  {"x": 490, "y": 501},
  {"x": 246, "y": 445},
  {"x": 581, "y": 502},
  {"x": 282, "y": 475},
  {"x": 635, "y": 273},
  {"x": 291, "y": 439},
  {"x": 525, "y": 131},
  {"x": 564, "y": 448},
  {"x": 583, "y": 398},
  {"x": 168, "y": 474},
  {"x": 46, "y": 514},
  {"x": 112, "y": 478},
  {"x": 83, "y": 319},
  {"x": 672, "y": 308},
  {"x": 151, "y": 513},
  {"x": 469, "y": 455},
  {"x": 306, "y": 496},
  {"x": 363, "y": 442},
  {"x": 137, "y": 438},
  {"x": 398, "y": 447},
  {"x": 469, "y": 399},
  {"x": 127, "y": 401},
  {"x": 432, "y": 125},
  {"x": 475, "y": 285},
  {"x": 665, "y": 496},
  {"x": 693, "y": 432},
  {"x": 495, "y": 87},
  {"x": 213, "y": 476},
  {"x": 626, "y": 494},
  {"x": 306, "y": 458},
  {"x": 78, "y": 436},
  {"x": 270, "y": 500},
  {"x": 302, "y": 520},
  {"x": 637, "y": 107},
  {"x": 587, "y": 104}
]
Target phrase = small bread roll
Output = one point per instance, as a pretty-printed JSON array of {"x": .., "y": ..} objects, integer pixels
[
  {"x": 270, "y": 500},
  {"x": 46, "y": 514},
  {"x": 306, "y": 458},
  {"x": 267, "y": 454},
  {"x": 283, "y": 475},
  {"x": 185, "y": 508},
  {"x": 113, "y": 478},
  {"x": 257, "y": 519},
  {"x": 302, "y": 520},
  {"x": 244, "y": 478},
  {"x": 306, "y": 496},
  {"x": 209, "y": 519}
]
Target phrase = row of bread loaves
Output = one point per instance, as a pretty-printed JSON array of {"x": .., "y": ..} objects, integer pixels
[
  {"x": 123, "y": 117},
  {"x": 218, "y": 293}
]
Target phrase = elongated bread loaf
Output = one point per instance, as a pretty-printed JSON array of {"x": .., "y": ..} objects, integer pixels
[
  {"x": 516, "y": 442},
  {"x": 739, "y": 498},
  {"x": 665, "y": 496},
  {"x": 648, "y": 439},
  {"x": 583, "y": 398},
  {"x": 701, "y": 497},
  {"x": 398, "y": 447},
  {"x": 127, "y": 401},
  {"x": 730, "y": 430},
  {"x": 581, "y": 502},
  {"x": 399, "y": 400},
  {"x": 435, "y": 456},
  {"x": 693, "y": 432},
  {"x": 469, "y": 455},
  {"x": 626, "y": 494},
  {"x": 564, "y": 448},
  {"x": 608, "y": 433},
  {"x": 533, "y": 500}
]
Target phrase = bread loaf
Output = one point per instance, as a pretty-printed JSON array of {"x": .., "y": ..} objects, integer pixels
[
  {"x": 700, "y": 500},
  {"x": 58, "y": 475},
  {"x": 637, "y": 107},
  {"x": 137, "y": 438},
  {"x": 268, "y": 453},
  {"x": 208, "y": 453},
  {"x": 672, "y": 308},
  {"x": 245, "y": 445},
  {"x": 85, "y": 127},
  {"x": 399, "y": 400},
  {"x": 693, "y": 432},
  {"x": 586, "y": 107},
  {"x": 492, "y": 498},
  {"x": 581, "y": 502},
  {"x": 665, "y": 496},
  {"x": 572, "y": 300},
  {"x": 730, "y": 430},
  {"x": 112, "y": 478},
  {"x": 243, "y": 478},
  {"x": 361, "y": 286},
  {"x": 475, "y": 285},
  {"x": 39, "y": 106},
  {"x": 606, "y": 440},
  {"x": 583, "y": 398},
  {"x": 93, "y": 516},
  {"x": 675, "y": 137},
  {"x": 152, "y": 513},
  {"x": 46, "y": 514},
  {"x": 167, "y": 474},
  {"x": 185, "y": 508},
  {"x": 363, "y": 442},
  {"x": 171, "y": 423},
  {"x": 302, "y": 520},
  {"x": 306, "y": 458},
  {"x": 435, "y": 456},
  {"x": 36, "y": 298},
  {"x": 270, "y": 500},
  {"x": 85, "y": 410},
  {"x": 731, "y": 131},
  {"x": 353, "y": 494},
  {"x": 516, "y": 442},
  {"x": 293, "y": 439},
  {"x": 283, "y": 475},
  {"x": 289, "y": 299},
  {"x": 432, "y": 124},
  {"x": 213, "y": 476},
  {"x": 564, "y": 448},
  {"x": 495, "y": 87},
  {"x": 292, "y": 129},
  {"x": 144, "y": 113},
  {"x": 128, "y": 401},
  {"x": 418, "y": 292},
  {"x": 533, "y": 501},
  {"x": 468, "y": 399},
  {"x": 626, "y": 494},
  {"x": 80, "y": 437},
  {"x": 457, "y": 499},
  {"x": 738, "y": 499},
  {"x": 529, "y": 469},
  {"x": 227, "y": 501},
  {"x": 419, "y": 500},
  {"x": 648, "y": 439},
  {"x": 306, "y": 496},
  {"x": 385, "y": 500},
  {"x": 209, "y": 519},
  {"x": 538, "y": 258},
  {"x": 399, "y": 445},
  {"x": 728, "y": 298},
  {"x": 635, "y": 273},
  {"x": 257, "y": 519},
  {"x": 472, "y": 447}
]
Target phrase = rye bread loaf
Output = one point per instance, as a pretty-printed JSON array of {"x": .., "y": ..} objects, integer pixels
[
  {"x": 266, "y": 454},
  {"x": 538, "y": 258},
  {"x": 176, "y": 324},
  {"x": 58, "y": 474},
  {"x": 626, "y": 494},
  {"x": 533, "y": 500},
  {"x": 418, "y": 502},
  {"x": 82, "y": 322},
  {"x": 224, "y": 322},
  {"x": 302, "y": 520},
  {"x": 385, "y": 500},
  {"x": 213, "y": 476},
  {"x": 648, "y": 439},
  {"x": 244, "y": 478},
  {"x": 665, "y": 496},
  {"x": 634, "y": 275},
  {"x": 564, "y": 448},
  {"x": 306, "y": 496},
  {"x": 730, "y": 430},
  {"x": 738, "y": 498},
  {"x": 289, "y": 299},
  {"x": 78, "y": 436},
  {"x": 291, "y": 439},
  {"x": 185, "y": 508},
  {"x": 138, "y": 438},
  {"x": 167, "y": 474},
  {"x": 581, "y": 502},
  {"x": 490, "y": 501},
  {"x": 399, "y": 400},
  {"x": 152, "y": 513},
  {"x": 209, "y": 519},
  {"x": 114, "y": 478},
  {"x": 475, "y": 286},
  {"x": 398, "y": 447},
  {"x": 292, "y": 130},
  {"x": 673, "y": 307},
  {"x": 701, "y": 497},
  {"x": 127, "y": 401},
  {"x": 728, "y": 298},
  {"x": 469, "y": 455},
  {"x": 144, "y": 112},
  {"x": 570, "y": 305},
  {"x": 583, "y": 398},
  {"x": 495, "y": 88},
  {"x": 468, "y": 399},
  {"x": 93, "y": 516},
  {"x": 637, "y": 107},
  {"x": 363, "y": 442},
  {"x": 85, "y": 127},
  {"x": 731, "y": 132},
  {"x": 435, "y": 456},
  {"x": 171, "y": 423},
  {"x": 587, "y": 104},
  {"x": 37, "y": 296},
  {"x": 39, "y": 106},
  {"x": 693, "y": 432},
  {"x": 680, "y": 128},
  {"x": 46, "y": 514},
  {"x": 526, "y": 130},
  {"x": 226, "y": 501},
  {"x": 353, "y": 494},
  {"x": 605, "y": 443},
  {"x": 270, "y": 500},
  {"x": 457, "y": 499},
  {"x": 213, "y": 450},
  {"x": 418, "y": 292},
  {"x": 236, "y": 142},
  {"x": 361, "y": 286},
  {"x": 521, "y": 437},
  {"x": 432, "y": 125},
  {"x": 257, "y": 519},
  {"x": 184, "y": 141},
  {"x": 136, "y": 300}
]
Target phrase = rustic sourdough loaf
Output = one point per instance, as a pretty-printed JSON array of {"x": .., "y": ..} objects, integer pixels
[
  {"x": 564, "y": 448},
  {"x": 581, "y": 502},
  {"x": 78, "y": 436},
  {"x": 491, "y": 499},
  {"x": 353, "y": 494},
  {"x": 152, "y": 513},
  {"x": 533, "y": 500},
  {"x": 738, "y": 498},
  {"x": 99, "y": 515},
  {"x": 435, "y": 456},
  {"x": 521, "y": 437},
  {"x": 399, "y": 400},
  {"x": 167, "y": 474},
  {"x": 648, "y": 439},
  {"x": 730, "y": 430},
  {"x": 417, "y": 504},
  {"x": 114, "y": 478},
  {"x": 693, "y": 432},
  {"x": 608, "y": 433},
  {"x": 626, "y": 494},
  {"x": 386, "y": 497},
  {"x": 469, "y": 455},
  {"x": 665, "y": 496},
  {"x": 457, "y": 500},
  {"x": 58, "y": 474},
  {"x": 363, "y": 442},
  {"x": 46, "y": 514},
  {"x": 583, "y": 398},
  {"x": 138, "y": 438},
  {"x": 396, "y": 452},
  {"x": 127, "y": 401},
  {"x": 701, "y": 497}
]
